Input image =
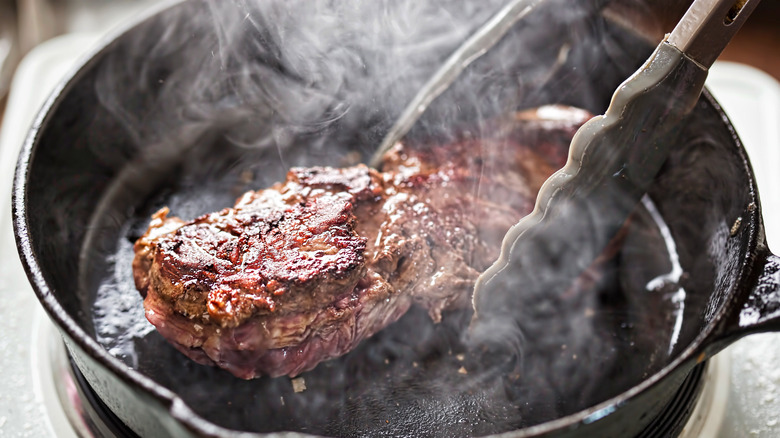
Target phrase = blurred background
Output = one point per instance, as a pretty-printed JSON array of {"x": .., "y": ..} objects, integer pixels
[
  {"x": 758, "y": 43},
  {"x": 27, "y": 23}
]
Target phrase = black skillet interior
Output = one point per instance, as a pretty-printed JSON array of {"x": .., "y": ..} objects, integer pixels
[{"x": 122, "y": 142}]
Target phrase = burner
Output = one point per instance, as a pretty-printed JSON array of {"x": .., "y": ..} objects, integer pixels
[
  {"x": 102, "y": 420},
  {"x": 100, "y": 417},
  {"x": 674, "y": 416},
  {"x": 73, "y": 408}
]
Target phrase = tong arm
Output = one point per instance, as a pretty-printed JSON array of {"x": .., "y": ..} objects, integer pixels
[{"x": 708, "y": 26}]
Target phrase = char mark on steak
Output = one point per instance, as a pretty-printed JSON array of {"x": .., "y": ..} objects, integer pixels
[{"x": 303, "y": 271}]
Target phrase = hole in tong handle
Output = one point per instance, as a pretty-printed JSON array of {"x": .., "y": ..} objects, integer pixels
[{"x": 734, "y": 12}]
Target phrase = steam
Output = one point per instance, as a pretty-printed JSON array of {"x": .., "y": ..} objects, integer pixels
[{"x": 270, "y": 72}]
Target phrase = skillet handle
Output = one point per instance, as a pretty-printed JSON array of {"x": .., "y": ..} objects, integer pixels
[{"x": 759, "y": 309}]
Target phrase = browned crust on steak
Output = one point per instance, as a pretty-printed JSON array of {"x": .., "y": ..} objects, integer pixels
[{"x": 285, "y": 249}]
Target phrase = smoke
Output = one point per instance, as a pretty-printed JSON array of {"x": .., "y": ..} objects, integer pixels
[{"x": 269, "y": 72}]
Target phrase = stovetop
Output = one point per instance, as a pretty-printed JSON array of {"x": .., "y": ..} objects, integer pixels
[{"x": 741, "y": 393}]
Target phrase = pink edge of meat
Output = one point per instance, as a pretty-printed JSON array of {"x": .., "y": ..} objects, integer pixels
[{"x": 243, "y": 353}]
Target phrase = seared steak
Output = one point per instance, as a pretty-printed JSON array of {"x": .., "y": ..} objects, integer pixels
[{"x": 304, "y": 270}]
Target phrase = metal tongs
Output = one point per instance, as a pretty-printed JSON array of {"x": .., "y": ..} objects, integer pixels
[
  {"x": 613, "y": 159},
  {"x": 475, "y": 46}
]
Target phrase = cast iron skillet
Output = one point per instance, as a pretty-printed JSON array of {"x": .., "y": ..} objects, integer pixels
[{"x": 116, "y": 141}]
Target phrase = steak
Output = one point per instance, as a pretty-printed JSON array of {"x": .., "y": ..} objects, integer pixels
[{"x": 302, "y": 271}]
